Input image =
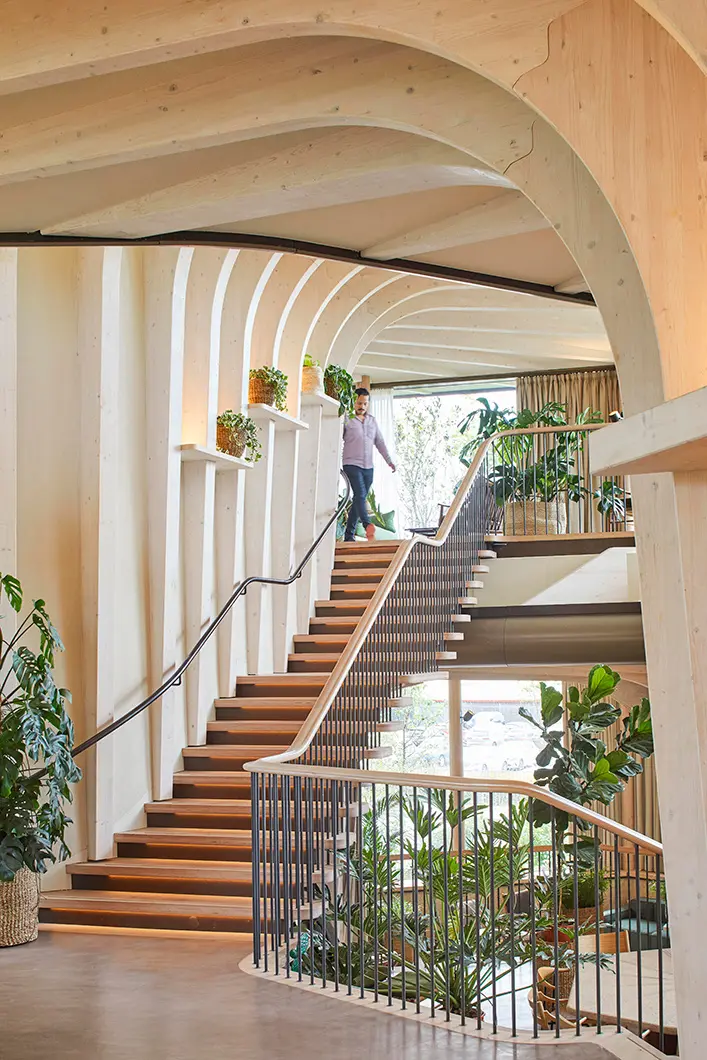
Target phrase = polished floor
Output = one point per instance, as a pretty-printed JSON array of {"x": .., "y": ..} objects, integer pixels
[{"x": 113, "y": 997}]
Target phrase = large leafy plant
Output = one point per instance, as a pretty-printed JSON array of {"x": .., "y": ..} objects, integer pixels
[
  {"x": 521, "y": 470},
  {"x": 576, "y": 761},
  {"x": 36, "y": 740},
  {"x": 457, "y": 939},
  {"x": 343, "y": 385}
]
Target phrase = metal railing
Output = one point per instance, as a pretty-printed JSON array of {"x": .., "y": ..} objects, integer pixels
[
  {"x": 541, "y": 483},
  {"x": 455, "y": 897},
  {"x": 490, "y": 904}
]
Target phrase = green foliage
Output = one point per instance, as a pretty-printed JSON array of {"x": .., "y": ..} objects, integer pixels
[
  {"x": 344, "y": 386},
  {"x": 277, "y": 380},
  {"x": 519, "y": 473},
  {"x": 309, "y": 362},
  {"x": 575, "y": 761},
  {"x": 384, "y": 520},
  {"x": 238, "y": 421},
  {"x": 588, "y": 883},
  {"x": 36, "y": 740},
  {"x": 457, "y": 937}
]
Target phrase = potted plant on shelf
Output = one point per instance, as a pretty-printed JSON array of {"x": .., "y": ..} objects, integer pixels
[
  {"x": 339, "y": 384},
  {"x": 237, "y": 434},
  {"x": 312, "y": 376},
  {"x": 268, "y": 386},
  {"x": 36, "y": 765}
]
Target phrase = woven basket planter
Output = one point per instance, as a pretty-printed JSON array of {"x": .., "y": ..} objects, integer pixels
[
  {"x": 19, "y": 909},
  {"x": 312, "y": 380},
  {"x": 260, "y": 393},
  {"x": 230, "y": 442},
  {"x": 330, "y": 389},
  {"x": 534, "y": 517}
]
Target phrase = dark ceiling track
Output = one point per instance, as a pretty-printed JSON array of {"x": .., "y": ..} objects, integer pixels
[{"x": 235, "y": 241}]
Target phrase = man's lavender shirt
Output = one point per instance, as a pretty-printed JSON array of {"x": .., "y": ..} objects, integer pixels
[{"x": 359, "y": 439}]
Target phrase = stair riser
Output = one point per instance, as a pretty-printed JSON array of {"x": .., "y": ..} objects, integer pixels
[
  {"x": 265, "y": 691},
  {"x": 238, "y": 789},
  {"x": 198, "y": 820},
  {"x": 349, "y": 611},
  {"x": 266, "y": 713},
  {"x": 306, "y": 647},
  {"x": 242, "y": 739},
  {"x": 350, "y": 592},
  {"x": 191, "y": 851},
  {"x": 303, "y": 666},
  {"x": 234, "y": 764},
  {"x": 321, "y": 625},
  {"x": 165, "y": 922}
]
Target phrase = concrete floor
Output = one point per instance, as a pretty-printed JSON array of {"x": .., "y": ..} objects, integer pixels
[{"x": 112, "y": 997}]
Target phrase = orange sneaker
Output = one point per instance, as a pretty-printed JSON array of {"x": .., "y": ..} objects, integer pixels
[{"x": 370, "y": 532}]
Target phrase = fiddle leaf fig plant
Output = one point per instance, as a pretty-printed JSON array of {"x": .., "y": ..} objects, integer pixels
[
  {"x": 575, "y": 761},
  {"x": 36, "y": 740}
]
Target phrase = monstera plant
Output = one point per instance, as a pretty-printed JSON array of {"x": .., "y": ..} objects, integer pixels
[{"x": 36, "y": 764}]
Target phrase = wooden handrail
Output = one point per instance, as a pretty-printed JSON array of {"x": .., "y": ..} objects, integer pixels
[{"x": 284, "y": 763}]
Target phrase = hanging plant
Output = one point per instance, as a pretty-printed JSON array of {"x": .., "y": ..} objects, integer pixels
[
  {"x": 268, "y": 386},
  {"x": 339, "y": 384},
  {"x": 237, "y": 434}
]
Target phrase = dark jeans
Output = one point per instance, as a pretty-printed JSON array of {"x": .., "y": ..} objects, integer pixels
[{"x": 361, "y": 479}]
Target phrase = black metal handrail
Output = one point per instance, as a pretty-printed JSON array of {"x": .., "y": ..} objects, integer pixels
[{"x": 176, "y": 678}]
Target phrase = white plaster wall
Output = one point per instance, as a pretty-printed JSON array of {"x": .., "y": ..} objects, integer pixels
[
  {"x": 48, "y": 485},
  {"x": 131, "y": 778}
]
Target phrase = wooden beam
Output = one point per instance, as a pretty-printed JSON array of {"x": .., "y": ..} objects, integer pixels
[
  {"x": 506, "y": 214},
  {"x": 670, "y": 437},
  {"x": 299, "y": 171},
  {"x": 203, "y": 102}
]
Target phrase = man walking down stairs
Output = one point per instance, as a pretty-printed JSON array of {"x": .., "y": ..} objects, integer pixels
[{"x": 190, "y": 866}]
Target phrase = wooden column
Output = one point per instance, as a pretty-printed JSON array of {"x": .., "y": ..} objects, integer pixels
[{"x": 8, "y": 414}]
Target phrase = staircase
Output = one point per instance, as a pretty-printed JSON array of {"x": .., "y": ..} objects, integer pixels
[{"x": 190, "y": 867}]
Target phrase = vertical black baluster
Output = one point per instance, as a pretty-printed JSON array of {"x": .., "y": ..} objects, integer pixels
[
  {"x": 255, "y": 816},
  {"x": 297, "y": 798},
  {"x": 375, "y": 892},
  {"x": 533, "y": 942},
  {"x": 575, "y": 891},
  {"x": 462, "y": 911},
  {"x": 555, "y": 919},
  {"x": 416, "y": 902},
  {"x": 661, "y": 993},
  {"x": 362, "y": 892},
  {"x": 389, "y": 896},
  {"x": 617, "y": 923},
  {"x": 477, "y": 907},
  {"x": 402, "y": 898},
  {"x": 445, "y": 891},
  {"x": 267, "y": 853},
  {"x": 512, "y": 902},
  {"x": 349, "y": 970},
  {"x": 335, "y": 868},
  {"x": 309, "y": 796},
  {"x": 597, "y": 930},
  {"x": 286, "y": 868},
  {"x": 275, "y": 870},
  {"x": 492, "y": 889},
  {"x": 639, "y": 955},
  {"x": 322, "y": 878},
  {"x": 432, "y": 903}
]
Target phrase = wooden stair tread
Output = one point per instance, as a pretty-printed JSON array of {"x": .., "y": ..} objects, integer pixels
[
  {"x": 359, "y": 572},
  {"x": 261, "y": 702},
  {"x": 145, "y": 902},
  {"x": 342, "y": 603},
  {"x": 212, "y": 777},
  {"x": 250, "y": 751},
  {"x": 314, "y": 656},
  {"x": 280, "y": 679},
  {"x": 162, "y": 868},
  {"x": 228, "y": 807},
  {"x": 327, "y": 639},
  {"x": 216, "y": 837}
]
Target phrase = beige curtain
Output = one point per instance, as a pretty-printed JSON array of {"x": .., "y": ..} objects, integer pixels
[{"x": 597, "y": 389}]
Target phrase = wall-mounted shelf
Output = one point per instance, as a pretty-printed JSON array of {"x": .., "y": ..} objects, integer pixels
[
  {"x": 200, "y": 454},
  {"x": 281, "y": 420},
  {"x": 329, "y": 406},
  {"x": 669, "y": 437}
]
